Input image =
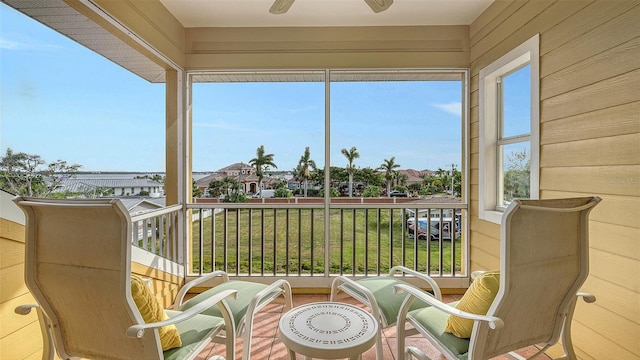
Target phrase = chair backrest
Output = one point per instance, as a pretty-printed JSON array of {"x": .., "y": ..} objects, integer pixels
[
  {"x": 78, "y": 269},
  {"x": 544, "y": 260}
]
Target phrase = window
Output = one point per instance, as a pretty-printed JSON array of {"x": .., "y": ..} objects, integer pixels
[
  {"x": 509, "y": 130},
  {"x": 411, "y": 121}
]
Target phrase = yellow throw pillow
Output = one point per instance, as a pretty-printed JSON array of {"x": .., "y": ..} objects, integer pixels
[
  {"x": 477, "y": 300},
  {"x": 152, "y": 311}
]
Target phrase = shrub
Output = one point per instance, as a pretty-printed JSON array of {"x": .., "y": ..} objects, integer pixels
[
  {"x": 282, "y": 192},
  {"x": 334, "y": 192},
  {"x": 400, "y": 188},
  {"x": 236, "y": 197},
  {"x": 371, "y": 191}
]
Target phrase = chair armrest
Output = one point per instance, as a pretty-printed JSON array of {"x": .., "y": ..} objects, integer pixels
[
  {"x": 177, "y": 304},
  {"x": 25, "y": 309},
  {"x": 412, "y": 351},
  {"x": 260, "y": 300},
  {"x": 335, "y": 284},
  {"x": 588, "y": 298},
  {"x": 426, "y": 278},
  {"x": 494, "y": 322},
  {"x": 48, "y": 348},
  {"x": 137, "y": 331},
  {"x": 255, "y": 305},
  {"x": 370, "y": 299},
  {"x": 477, "y": 273}
]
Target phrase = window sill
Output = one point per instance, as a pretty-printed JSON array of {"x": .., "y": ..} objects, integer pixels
[{"x": 492, "y": 216}]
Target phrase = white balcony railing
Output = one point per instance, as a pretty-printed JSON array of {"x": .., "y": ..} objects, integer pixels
[
  {"x": 157, "y": 232},
  {"x": 288, "y": 239}
]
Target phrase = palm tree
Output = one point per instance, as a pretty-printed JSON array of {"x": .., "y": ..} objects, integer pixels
[
  {"x": 215, "y": 188},
  {"x": 305, "y": 163},
  {"x": 402, "y": 179},
  {"x": 228, "y": 183},
  {"x": 389, "y": 166},
  {"x": 351, "y": 155},
  {"x": 440, "y": 172},
  {"x": 298, "y": 175},
  {"x": 259, "y": 162}
]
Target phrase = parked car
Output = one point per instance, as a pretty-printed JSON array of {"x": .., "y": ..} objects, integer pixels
[
  {"x": 266, "y": 193},
  {"x": 434, "y": 231},
  {"x": 397, "y": 193}
]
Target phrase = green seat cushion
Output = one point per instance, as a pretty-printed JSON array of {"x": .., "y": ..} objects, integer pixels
[
  {"x": 382, "y": 290},
  {"x": 246, "y": 291},
  {"x": 192, "y": 332},
  {"x": 435, "y": 322}
]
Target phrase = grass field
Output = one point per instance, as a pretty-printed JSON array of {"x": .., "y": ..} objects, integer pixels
[{"x": 293, "y": 243}]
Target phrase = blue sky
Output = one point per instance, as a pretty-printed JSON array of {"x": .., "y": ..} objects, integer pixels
[
  {"x": 411, "y": 121},
  {"x": 62, "y": 101}
]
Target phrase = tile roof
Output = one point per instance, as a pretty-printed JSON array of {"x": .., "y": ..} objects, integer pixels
[{"x": 112, "y": 183}]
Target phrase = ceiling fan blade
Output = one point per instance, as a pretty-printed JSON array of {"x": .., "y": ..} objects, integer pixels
[
  {"x": 280, "y": 6},
  {"x": 379, "y": 5}
]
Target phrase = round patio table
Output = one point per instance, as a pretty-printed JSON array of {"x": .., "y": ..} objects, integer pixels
[{"x": 328, "y": 330}]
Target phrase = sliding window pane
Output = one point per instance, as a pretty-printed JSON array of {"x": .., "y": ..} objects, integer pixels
[
  {"x": 406, "y": 126},
  {"x": 255, "y": 129}
]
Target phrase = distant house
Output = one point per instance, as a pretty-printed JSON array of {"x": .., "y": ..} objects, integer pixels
[
  {"x": 112, "y": 187},
  {"x": 244, "y": 173},
  {"x": 415, "y": 176}
]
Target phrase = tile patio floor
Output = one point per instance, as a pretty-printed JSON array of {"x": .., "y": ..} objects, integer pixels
[{"x": 266, "y": 344}]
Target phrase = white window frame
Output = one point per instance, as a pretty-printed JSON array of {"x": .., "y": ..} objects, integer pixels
[{"x": 527, "y": 53}]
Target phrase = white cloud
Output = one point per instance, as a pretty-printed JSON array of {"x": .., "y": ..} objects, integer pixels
[
  {"x": 10, "y": 44},
  {"x": 454, "y": 108}
]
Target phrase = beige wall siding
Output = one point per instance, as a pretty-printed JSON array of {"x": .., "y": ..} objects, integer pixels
[
  {"x": 589, "y": 145},
  {"x": 165, "y": 285},
  {"x": 19, "y": 335},
  {"x": 333, "y": 47}
]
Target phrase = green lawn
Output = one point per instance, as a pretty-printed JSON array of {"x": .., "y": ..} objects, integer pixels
[{"x": 362, "y": 242}]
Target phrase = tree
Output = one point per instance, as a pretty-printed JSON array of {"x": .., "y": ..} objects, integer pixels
[
  {"x": 371, "y": 191},
  {"x": 195, "y": 191},
  {"x": 351, "y": 155},
  {"x": 158, "y": 178},
  {"x": 370, "y": 176},
  {"x": 457, "y": 186},
  {"x": 259, "y": 162},
  {"x": 282, "y": 192},
  {"x": 332, "y": 193},
  {"x": 517, "y": 176},
  {"x": 389, "y": 166},
  {"x": 440, "y": 172},
  {"x": 337, "y": 175},
  {"x": 305, "y": 164},
  {"x": 235, "y": 197},
  {"x": 230, "y": 184},
  {"x": 29, "y": 175},
  {"x": 317, "y": 177},
  {"x": 402, "y": 180},
  {"x": 231, "y": 189},
  {"x": 415, "y": 187},
  {"x": 215, "y": 188},
  {"x": 299, "y": 176},
  {"x": 446, "y": 182}
]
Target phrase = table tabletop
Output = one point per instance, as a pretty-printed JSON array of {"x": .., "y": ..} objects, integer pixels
[{"x": 328, "y": 330}]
